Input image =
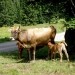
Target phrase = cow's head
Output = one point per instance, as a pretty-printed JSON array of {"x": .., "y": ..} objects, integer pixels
[
  {"x": 14, "y": 32},
  {"x": 50, "y": 45}
]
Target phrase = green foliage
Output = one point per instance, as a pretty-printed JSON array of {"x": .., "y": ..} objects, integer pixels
[
  {"x": 62, "y": 21},
  {"x": 27, "y": 12},
  {"x": 72, "y": 21},
  {"x": 4, "y": 34},
  {"x": 2, "y": 8},
  {"x": 8, "y": 13}
]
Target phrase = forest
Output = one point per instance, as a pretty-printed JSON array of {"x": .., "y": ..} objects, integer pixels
[{"x": 32, "y": 12}]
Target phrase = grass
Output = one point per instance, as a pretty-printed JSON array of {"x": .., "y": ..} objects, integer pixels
[
  {"x": 5, "y": 34},
  {"x": 11, "y": 65},
  {"x": 59, "y": 27}
]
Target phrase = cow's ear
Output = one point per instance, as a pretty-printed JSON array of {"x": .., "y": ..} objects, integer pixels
[{"x": 18, "y": 28}]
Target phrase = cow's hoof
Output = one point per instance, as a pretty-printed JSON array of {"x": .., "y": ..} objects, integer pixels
[
  {"x": 68, "y": 60},
  {"x": 53, "y": 59},
  {"x": 47, "y": 58},
  {"x": 33, "y": 61},
  {"x": 60, "y": 60}
]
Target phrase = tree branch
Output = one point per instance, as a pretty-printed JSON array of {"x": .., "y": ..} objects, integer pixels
[{"x": 72, "y": 3}]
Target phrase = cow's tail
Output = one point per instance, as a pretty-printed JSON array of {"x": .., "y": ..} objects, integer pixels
[
  {"x": 53, "y": 34},
  {"x": 64, "y": 43}
]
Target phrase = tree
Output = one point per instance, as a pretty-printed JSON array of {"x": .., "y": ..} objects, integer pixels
[
  {"x": 29, "y": 12},
  {"x": 2, "y": 13}
]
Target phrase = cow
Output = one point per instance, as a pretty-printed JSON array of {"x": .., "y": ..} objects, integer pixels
[
  {"x": 32, "y": 38},
  {"x": 58, "y": 47}
]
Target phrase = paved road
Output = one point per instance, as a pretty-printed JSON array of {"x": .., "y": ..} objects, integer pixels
[{"x": 8, "y": 46}]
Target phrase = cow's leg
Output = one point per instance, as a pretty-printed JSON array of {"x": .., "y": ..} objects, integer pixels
[
  {"x": 33, "y": 57},
  {"x": 34, "y": 54},
  {"x": 20, "y": 48},
  {"x": 52, "y": 55},
  {"x": 29, "y": 54},
  {"x": 20, "y": 51},
  {"x": 65, "y": 51},
  {"x": 48, "y": 54},
  {"x": 60, "y": 52}
]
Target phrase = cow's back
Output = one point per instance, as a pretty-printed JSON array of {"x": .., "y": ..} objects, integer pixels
[
  {"x": 40, "y": 35},
  {"x": 37, "y": 36}
]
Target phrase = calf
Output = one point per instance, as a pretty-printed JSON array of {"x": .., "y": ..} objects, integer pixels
[
  {"x": 58, "y": 47},
  {"x": 32, "y": 38}
]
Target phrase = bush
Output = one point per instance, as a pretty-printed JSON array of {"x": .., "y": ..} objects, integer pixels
[
  {"x": 62, "y": 21},
  {"x": 72, "y": 21}
]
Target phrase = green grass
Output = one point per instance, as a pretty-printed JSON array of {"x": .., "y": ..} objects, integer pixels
[
  {"x": 5, "y": 34},
  {"x": 11, "y": 65},
  {"x": 59, "y": 27}
]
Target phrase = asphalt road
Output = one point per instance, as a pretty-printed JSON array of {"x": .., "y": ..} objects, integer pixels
[{"x": 8, "y": 46}]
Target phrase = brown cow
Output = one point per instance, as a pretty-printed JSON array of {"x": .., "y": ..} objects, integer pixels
[
  {"x": 31, "y": 38},
  {"x": 58, "y": 47}
]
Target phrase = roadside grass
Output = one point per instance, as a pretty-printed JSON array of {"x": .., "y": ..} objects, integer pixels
[
  {"x": 10, "y": 64},
  {"x": 5, "y": 34}
]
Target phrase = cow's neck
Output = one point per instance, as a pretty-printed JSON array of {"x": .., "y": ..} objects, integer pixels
[{"x": 17, "y": 38}]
